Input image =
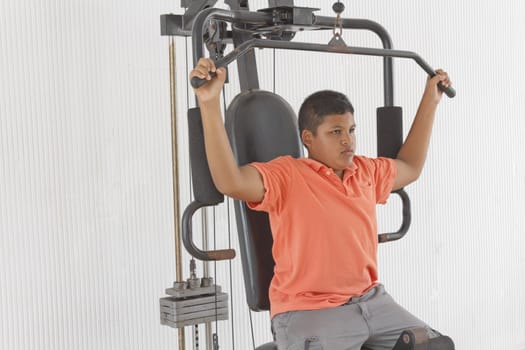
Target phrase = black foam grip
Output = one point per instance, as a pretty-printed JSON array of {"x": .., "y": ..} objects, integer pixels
[
  {"x": 389, "y": 131},
  {"x": 204, "y": 189},
  {"x": 197, "y": 82},
  {"x": 449, "y": 91}
]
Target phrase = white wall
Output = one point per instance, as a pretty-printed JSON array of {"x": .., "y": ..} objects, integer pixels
[{"x": 86, "y": 214}]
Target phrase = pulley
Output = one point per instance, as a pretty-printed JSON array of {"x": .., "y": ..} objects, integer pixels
[
  {"x": 338, "y": 7},
  {"x": 337, "y": 39}
]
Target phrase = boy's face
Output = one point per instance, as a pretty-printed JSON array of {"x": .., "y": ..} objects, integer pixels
[{"x": 334, "y": 142}]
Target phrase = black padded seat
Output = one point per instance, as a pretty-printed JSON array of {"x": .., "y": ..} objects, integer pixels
[{"x": 261, "y": 126}]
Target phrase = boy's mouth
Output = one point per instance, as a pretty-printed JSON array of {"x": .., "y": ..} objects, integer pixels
[{"x": 348, "y": 151}]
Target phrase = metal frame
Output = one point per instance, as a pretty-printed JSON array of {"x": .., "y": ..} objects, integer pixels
[
  {"x": 285, "y": 19},
  {"x": 321, "y": 22},
  {"x": 274, "y": 27}
]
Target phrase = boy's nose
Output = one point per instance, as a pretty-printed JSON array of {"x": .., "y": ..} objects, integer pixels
[{"x": 345, "y": 139}]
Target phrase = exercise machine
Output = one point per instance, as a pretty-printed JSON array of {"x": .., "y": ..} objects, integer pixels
[{"x": 253, "y": 115}]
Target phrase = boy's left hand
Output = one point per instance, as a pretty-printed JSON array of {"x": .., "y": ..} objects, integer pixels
[{"x": 432, "y": 90}]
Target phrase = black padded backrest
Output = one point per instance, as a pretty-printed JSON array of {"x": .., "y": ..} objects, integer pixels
[{"x": 261, "y": 126}]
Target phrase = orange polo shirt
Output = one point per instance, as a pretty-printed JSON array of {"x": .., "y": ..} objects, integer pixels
[{"x": 324, "y": 229}]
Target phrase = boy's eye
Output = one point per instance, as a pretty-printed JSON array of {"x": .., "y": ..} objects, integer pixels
[
  {"x": 336, "y": 132},
  {"x": 352, "y": 130}
]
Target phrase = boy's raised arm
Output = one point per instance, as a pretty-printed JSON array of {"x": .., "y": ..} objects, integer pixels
[
  {"x": 244, "y": 183},
  {"x": 413, "y": 152}
]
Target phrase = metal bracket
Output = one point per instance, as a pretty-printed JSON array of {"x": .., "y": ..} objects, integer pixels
[
  {"x": 180, "y": 25},
  {"x": 216, "y": 38}
]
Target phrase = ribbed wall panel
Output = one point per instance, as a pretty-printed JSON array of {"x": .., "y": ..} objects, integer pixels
[{"x": 86, "y": 206}]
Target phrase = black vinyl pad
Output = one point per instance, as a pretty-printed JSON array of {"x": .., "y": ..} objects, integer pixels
[{"x": 261, "y": 126}]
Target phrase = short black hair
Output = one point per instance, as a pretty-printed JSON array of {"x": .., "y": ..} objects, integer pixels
[{"x": 320, "y": 104}]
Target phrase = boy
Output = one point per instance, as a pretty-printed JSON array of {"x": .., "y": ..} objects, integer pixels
[{"x": 324, "y": 293}]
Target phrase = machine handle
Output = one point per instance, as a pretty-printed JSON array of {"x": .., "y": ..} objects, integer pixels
[
  {"x": 301, "y": 46},
  {"x": 449, "y": 91},
  {"x": 197, "y": 82},
  {"x": 187, "y": 237},
  {"x": 407, "y": 217}
]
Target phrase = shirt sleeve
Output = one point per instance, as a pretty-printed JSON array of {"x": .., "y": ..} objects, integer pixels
[
  {"x": 276, "y": 180},
  {"x": 384, "y": 175}
]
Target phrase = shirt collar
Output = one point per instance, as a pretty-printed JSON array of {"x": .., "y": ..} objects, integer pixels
[{"x": 322, "y": 168}]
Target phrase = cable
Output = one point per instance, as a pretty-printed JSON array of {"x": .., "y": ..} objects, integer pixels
[
  {"x": 215, "y": 273},
  {"x": 273, "y": 71},
  {"x": 231, "y": 279},
  {"x": 229, "y": 244},
  {"x": 188, "y": 105},
  {"x": 251, "y": 327}
]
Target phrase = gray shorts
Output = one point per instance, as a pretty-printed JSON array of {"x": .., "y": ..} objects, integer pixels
[{"x": 373, "y": 321}]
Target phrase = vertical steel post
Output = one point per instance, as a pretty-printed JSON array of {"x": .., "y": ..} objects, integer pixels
[
  {"x": 175, "y": 175},
  {"x": 206, "y": 273}
]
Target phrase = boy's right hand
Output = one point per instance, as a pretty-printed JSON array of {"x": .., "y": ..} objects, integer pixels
[{"x": 212, "y": 88}]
